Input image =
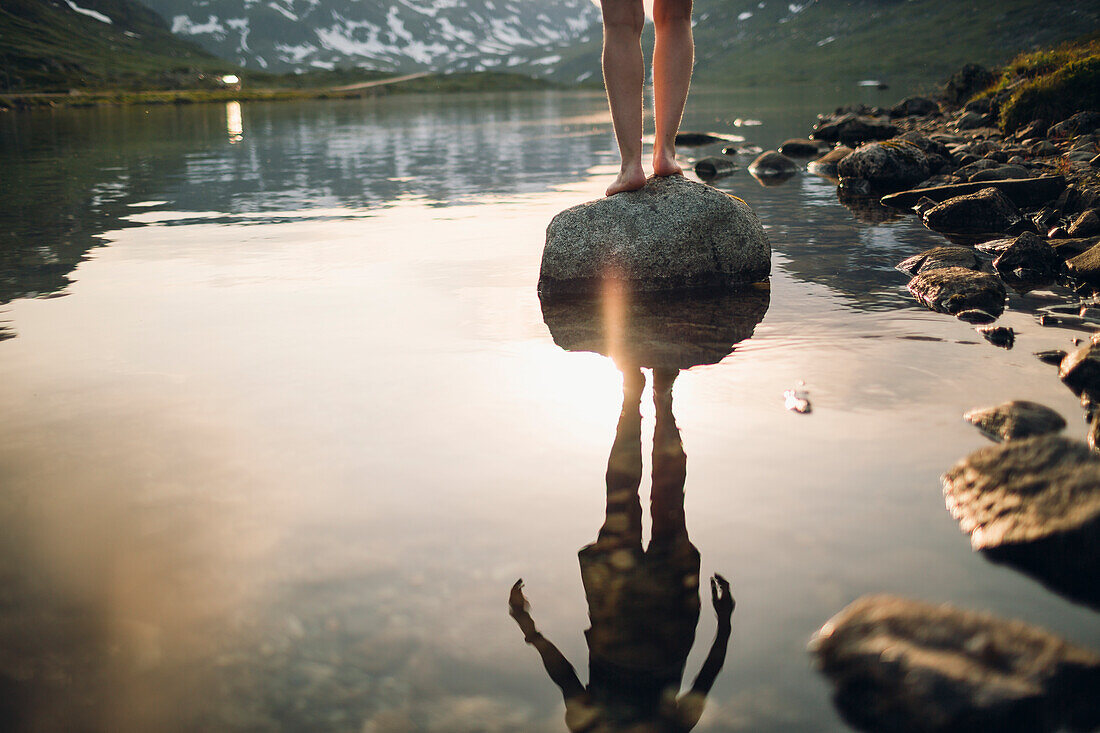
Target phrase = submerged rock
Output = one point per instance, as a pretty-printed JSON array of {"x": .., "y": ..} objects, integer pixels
[
  {"x": 658, "y": 330},
  {"x": 673, "y": 234},
  {"x": 697, "y": 139},
  {"x": 955, "y": 290},
  {"x": 887, "y": 165},
  {"x": 1051, "y": 356},
  {"x": 1034, "y": 504},
  {"x": 1015, "y": 420},
  {"x": 938, "y": 258},
  {"x": 1029, "y": 260},
  {"x": 986, "y": 212},
  {"x": 772, "y": 164},
  {"x": 910, "y": 667}
]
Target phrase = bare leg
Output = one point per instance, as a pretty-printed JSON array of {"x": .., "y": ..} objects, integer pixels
[
  {"x": 673, "y": 56},
  {"x": 623, "y": 75}
]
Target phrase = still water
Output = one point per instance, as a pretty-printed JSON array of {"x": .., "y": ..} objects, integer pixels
[{"x": 283, "y": 424}]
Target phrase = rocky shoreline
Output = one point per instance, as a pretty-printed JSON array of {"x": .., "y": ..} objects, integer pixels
[{"x": 1019, "y": 210}]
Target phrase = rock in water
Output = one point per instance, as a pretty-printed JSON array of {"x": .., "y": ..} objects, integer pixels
[
  {"x": 955, "y": 290},
  {"x": 1034, "y": 504},
  {"x": 938, "y": 258},
  {"x": 673, "y": 234},
  {"x": 1080, "y": 370},
  {"x": 799, "y": 148},
  {"x": 1015, "y": 420},
  {"x": 986, "y": 212},
  {"x": 887, "y": 165},
  {"x": 1029, "y": 260},
  {"x": 772, "y": 164},
  {"x": 909, "y": 667}
]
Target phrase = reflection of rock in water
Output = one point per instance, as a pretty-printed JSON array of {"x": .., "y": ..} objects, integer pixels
[
  {"x": 1034, "y": 504},
  {"x": 909, "y": 667},
  {"x": 867, "y": 209},
  {"x": 658, "y": 330}
]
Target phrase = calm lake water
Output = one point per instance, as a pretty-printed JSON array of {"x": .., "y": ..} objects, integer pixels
[{"x": 283, "y": 422}]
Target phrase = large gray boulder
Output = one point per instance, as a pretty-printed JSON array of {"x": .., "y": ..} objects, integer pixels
[
  {"x": 911, "y": 667},
  {"x": 987, "y": 212},
  {"x": 673, "y": 234}
]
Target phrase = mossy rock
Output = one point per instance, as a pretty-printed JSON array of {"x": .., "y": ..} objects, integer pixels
[{"x": 1056, "y": 96}]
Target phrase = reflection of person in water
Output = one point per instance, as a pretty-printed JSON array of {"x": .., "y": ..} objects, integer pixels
[{"x": 643, "y": 604}]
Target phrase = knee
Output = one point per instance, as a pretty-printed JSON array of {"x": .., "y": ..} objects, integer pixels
[
  {"x": 623, "y": 17},
  {"x": 671, "y": 13}
]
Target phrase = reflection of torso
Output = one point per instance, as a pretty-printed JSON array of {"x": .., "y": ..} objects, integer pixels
[{"x": 643, "y": 607}]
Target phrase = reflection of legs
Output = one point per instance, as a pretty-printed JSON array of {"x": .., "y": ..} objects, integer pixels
[
  {"x": 673, "y": 56},
  {"x": 669, "y": 465},
  {"x": 623, "y": 75},
  {"x": 622, "y": 525}
]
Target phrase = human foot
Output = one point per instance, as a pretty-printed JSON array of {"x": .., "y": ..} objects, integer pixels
[
  {"x": 629, "y": 179},
  {"x": 664, "y": 164}
]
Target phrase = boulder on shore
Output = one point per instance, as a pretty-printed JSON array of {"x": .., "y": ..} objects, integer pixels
[
  {"x": 672, "y": 234},
  {"x": 1015, "y": 420},
  {"x": 1085, "y": 266},
  {"x": 887, "y": 165},
  {"x": 986, "y": 212},
  {"x": 956, "y": 290},
  {"x": 919, "y": 106},
  {"x": 1080, "y": 370},
  {"x": 911, "y": 667}
]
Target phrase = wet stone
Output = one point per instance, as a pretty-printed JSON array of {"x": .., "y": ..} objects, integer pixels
[
  {"x": 1034, "y": 503},
  {"x": 773, "y": 164},
  {"x": 697, "y": 139},
  {"x": 800, "y": 148},
  {"x": 986, "y": 212},
  {"x": 852, "y": 128},
  {"x": 1051, "y": 356},
  {"x": 1029, "y": 259},
  {"x": 955, "y": 290},
  {"x": 889, "y": 165},
  {"x": 827, "y": 164},
  {"x": 1080, "y": 370},
  {"x": 975, "y": 315},
  {"x": 906, "y": 666},
  {"x": 1015, "y": 420},
  {"x": 1001, "y": 336},
  {"x": 938, "y": 258}
]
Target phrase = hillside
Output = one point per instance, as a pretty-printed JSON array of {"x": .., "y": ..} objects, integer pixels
[
  {"x": 55, "y": 45},
  {"x": 397, "y": 36}
]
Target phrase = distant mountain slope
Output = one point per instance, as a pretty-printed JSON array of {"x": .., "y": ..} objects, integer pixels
[
  {"x": 392, "y": 35},
  {"x": 58, "y": 44},
  {"x": 899, "y": 41}
]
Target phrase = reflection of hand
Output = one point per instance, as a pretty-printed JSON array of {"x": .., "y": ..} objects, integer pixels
[
  {"x": 517, "y": 603},
  {"x": 720, "y": 596}
]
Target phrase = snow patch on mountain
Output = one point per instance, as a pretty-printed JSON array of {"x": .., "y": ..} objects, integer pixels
[{"x": 397, "y": 35}]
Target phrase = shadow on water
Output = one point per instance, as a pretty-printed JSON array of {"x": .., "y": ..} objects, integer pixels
[{"x": 643, "y": 601}]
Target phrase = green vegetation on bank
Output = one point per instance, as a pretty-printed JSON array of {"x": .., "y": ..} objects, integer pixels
[
  {"x": 432, "y": 83},
  {"x": 1050, "y": 84}
]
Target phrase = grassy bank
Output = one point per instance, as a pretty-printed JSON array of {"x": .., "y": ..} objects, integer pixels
[{"x": 296, "y": 89}]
